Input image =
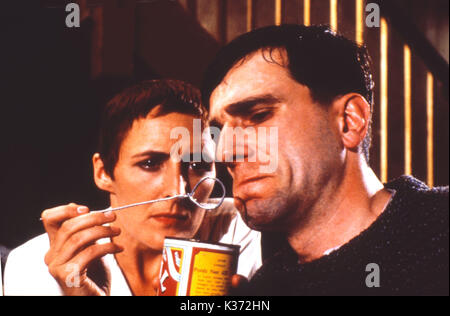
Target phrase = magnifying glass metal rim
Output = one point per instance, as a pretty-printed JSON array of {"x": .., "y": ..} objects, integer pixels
[
  {"x": 222, "y": 198},
  {"x": 189, "y": 195}
]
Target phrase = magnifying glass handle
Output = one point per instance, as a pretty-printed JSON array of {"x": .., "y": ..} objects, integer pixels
[
  {"x": 140, "y": 203},
  {"x": 208, "y": 206},
  {"x": 136, "y": 204}
]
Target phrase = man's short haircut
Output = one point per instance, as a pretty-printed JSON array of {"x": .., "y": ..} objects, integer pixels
[
  {"x": 136, "y": 102},
  {"x": 330, "y": 65}
]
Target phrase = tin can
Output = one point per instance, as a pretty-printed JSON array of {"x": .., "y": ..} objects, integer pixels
[{"x": 192, "y": 268}]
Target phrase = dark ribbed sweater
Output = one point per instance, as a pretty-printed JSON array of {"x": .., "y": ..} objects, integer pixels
[{"x": 409, "y": 242}]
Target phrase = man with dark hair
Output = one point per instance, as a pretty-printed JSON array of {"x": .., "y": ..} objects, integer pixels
[
  {"x": 343, "y": 231},
  {"x": 119, "y": 253}
]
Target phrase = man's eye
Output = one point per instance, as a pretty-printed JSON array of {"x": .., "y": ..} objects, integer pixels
[{"x": 261, "y": 116}]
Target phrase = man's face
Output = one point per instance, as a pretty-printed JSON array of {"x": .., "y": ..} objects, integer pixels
[
  {"x": 146, "y": 170},
  {"x": 258, "y": 93}
]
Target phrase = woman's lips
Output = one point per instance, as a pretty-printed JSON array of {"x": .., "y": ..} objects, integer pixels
[{"x": 170, "y": 219}]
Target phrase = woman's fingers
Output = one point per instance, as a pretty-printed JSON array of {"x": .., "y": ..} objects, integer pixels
[
  {"x": 72, "y": 276},
  {"x": 82, "y": 240},
  {"x": 80, "y": 223},
  {"x": 73, "y": 232},
  {"x": 93, "y": 252},
  {"x": 70, "y": 229},
  {"x": 54, "y": 217}
]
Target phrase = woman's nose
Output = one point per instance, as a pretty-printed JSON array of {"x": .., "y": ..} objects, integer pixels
[{"x": 175, "y": 182}]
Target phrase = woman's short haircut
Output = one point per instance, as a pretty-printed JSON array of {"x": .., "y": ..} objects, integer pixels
[{"x": 136, "y": 102}]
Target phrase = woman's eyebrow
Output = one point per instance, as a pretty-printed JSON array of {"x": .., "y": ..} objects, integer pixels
[
  {"x": 151, "y": 154},
  {"x": 196, "y": 157},
  {"x": 244, "y": 107}
]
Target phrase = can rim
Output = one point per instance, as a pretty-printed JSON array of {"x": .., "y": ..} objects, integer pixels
[{"x": 235, "y": 247}]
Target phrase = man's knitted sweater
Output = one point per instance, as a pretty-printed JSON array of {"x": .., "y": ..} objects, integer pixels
[{"x": 409, "y": 243}]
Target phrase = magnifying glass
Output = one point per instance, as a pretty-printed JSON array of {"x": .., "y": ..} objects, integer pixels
[{"x": 193, "y": 196}]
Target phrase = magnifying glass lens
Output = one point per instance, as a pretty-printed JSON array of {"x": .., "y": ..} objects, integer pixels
[{"x": 201, "y": 191}]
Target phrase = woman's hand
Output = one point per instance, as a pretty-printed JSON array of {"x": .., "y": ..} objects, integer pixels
[{"x": 73, "y": 233}]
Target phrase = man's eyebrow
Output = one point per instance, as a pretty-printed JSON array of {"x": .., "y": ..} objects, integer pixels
[
  {"x": 245, "y": 106},
  {"x": 152, "y": 154}
]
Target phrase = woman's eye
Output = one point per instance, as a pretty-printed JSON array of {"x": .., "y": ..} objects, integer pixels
[{"x": 150, "y": 165}]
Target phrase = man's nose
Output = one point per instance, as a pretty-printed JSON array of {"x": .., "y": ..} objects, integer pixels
[{"x": 236, "y": 145}]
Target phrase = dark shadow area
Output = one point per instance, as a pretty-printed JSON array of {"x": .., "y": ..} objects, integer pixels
[
  {"x": 50, "y": 114},
  {"x": 47, "y": 117}
]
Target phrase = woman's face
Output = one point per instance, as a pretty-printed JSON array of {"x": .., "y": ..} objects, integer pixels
[{"x": 149, "y": 168}]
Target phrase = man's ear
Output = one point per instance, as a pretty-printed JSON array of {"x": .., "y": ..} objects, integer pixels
[
  {"x": 354, "y": 119},
  {"x": 101, "y": 178}
]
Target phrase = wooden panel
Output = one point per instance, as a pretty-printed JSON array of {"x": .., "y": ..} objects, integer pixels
[
  {"x": 97, "y": 42},
  {"x": 441, "y": 135},
  {"x": 430, "y": 129},
  {"x": 278, "y": 12},
  {"x": 372, "y": 41},
  {"x": 407, "y": 109},
  {"x": 396, "y": 126},
  {"x": 222, "y": 22},
  {"x": 237, "y": 17},
  {"x": 184, "y": 3},
  {"x": 307, "y": 12},
  {"x": 383, "y": 68},
  {"x": 182, "y": 51},
  {"x": 118, "y": 37},
  {"x": 347, "y": 18},
  {"x": 419, "y": 114},
  {"x": 250, "y": 15},
  {"x": 292, "y": 11},
  {"x": 334, "y": 15},
  {"x": 360, "y": 21},
  {"x": 190, "y": 6},
  {"x": 320, "y": 12},
  {"x": 208, "y": 15},
  {"x": 264, "y": 12}
]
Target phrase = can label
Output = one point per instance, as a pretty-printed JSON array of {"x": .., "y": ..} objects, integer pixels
[{"x": 192, "y": 268}]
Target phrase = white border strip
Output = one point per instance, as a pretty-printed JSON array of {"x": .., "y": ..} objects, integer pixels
[{"x": 1, "y": 281}]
